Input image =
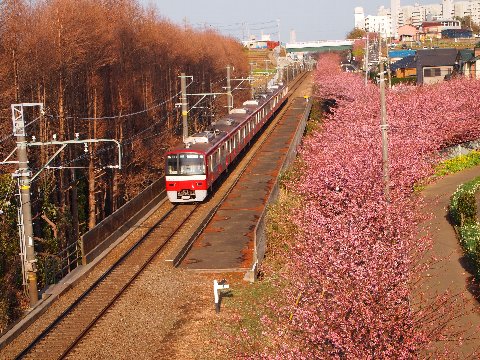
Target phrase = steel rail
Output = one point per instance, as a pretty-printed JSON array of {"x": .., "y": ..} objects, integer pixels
[
  {"x": 101, "y": 280},
  {"x": 266, "y": 132}
]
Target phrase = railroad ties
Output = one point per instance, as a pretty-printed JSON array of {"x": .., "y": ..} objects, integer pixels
[{"x": 227, "y": 242}]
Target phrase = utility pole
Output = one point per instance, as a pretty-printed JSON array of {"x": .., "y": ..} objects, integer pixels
[
  {"x": 384, "y": 127},
  {"x": 266, "y": 74},
  {"x": 183, "y": 83},
  {"x": 24, "y": 178},
  {"x": 25, "y": 223},
  {"x": 229, "y": 91},
  {"x": 366, "y": 61},
  {"x": 251, "y": 81}
]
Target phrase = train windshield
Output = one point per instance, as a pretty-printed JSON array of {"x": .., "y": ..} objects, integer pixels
[{"x": 185, "y": 164}]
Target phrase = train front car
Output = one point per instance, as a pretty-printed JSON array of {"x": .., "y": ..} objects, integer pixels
[{"x": 185, "y": 176}]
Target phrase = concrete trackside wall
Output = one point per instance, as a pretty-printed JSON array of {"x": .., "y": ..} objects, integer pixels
[
  {"x": 260, "y": 241},
  {"x": 95, "y": 241}
]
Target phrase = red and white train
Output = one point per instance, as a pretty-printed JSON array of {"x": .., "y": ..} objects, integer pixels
[{"x": 192, "y": 169}]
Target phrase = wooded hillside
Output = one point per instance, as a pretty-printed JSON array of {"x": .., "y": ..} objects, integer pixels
[{"x": 103, "y": 69}]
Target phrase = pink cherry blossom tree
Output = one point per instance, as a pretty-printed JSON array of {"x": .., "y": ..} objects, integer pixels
[{"x": 352, "y": 265}]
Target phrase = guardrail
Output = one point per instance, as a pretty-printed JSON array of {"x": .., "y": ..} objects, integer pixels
[{"x": 460, "y": 149}]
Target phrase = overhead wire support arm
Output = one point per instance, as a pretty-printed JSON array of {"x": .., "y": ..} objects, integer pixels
[
  {"x": 203, "y": 96},
  {"x": 63, "y": 144},
  {"x": 6, "y": 161},
  {"x": 24, "y": 177}
]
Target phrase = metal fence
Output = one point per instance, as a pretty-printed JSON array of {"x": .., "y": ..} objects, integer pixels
[
  {"x": 54, "y": 267},
  {"x": 460, "y": 149}
]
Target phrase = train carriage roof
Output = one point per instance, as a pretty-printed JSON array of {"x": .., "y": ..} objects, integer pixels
[{"x": 208, "y": 140}]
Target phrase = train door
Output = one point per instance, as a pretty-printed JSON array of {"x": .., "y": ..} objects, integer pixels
[
  {"x": 223, "y": 155},
  {"x": 211, "y": 168},
  {"x": 228, "y": 146}
]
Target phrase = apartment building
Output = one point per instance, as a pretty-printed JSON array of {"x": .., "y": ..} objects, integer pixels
[
  {"x": 389, "y": 20},
  {"x": 380, "y": 24}
]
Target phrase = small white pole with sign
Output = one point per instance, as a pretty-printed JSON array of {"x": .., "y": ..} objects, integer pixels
[{"x": 217, "y": 286}]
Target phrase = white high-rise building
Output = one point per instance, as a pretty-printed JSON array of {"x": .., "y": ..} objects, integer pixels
[
  {"x": 293, "y": 36},
  {"x": 416, "y": 14},
  {"x": 379, "y": 24},
  {"x": 405, "y": 16},
  {"x": 394, "y": 11},
  {"x": 447, "y": 9},
  {"x": 382, "y": 11},
  {"x": 475, "y": 11},
  {"x": 462, "y": 8},
  {"x": 359, "y": 18}
]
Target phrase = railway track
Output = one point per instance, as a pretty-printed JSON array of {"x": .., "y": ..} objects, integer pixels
[
  {"x": 228, "y": 184},
  {"x": 59, "y": 339}
]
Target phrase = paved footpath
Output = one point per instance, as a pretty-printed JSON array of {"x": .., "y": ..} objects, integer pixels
[{"x": 450, "y": 273}]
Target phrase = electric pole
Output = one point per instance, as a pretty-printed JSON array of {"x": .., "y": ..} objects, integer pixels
[
  {"x": 266, "y": 74},
  {"x": 384, "y": 127},
  {"x": 25, "y": 223},
  {"x": 366, "y": 62},
  {"x": 25, "y": 178},
  {"x": 184, "y": 105},
  {"x": 251, "y": 81},
  {"x": 229, "y": 91}
]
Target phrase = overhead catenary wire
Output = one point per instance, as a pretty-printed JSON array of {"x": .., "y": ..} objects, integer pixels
[{"x": 134, "y": 137}]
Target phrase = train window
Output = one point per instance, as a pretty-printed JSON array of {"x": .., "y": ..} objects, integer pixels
[
  {"x": 215, "y": 159},
  {"x": 172, "y": 164},
  {"x": 238, "y": 137},
  {"x": 191, "y": 164}
]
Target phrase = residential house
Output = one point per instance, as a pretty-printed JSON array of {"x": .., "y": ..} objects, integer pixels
[
  {"x": 404, "y": 68},
  {"x": 435, "y": 65},
  {"x": 470, "y": 67},
  {"x": 408, "y": 33},
  {"x": 465, "y": 65},
  {"x": 396, "y": 55},
  {"x": 433, "y": 29}
]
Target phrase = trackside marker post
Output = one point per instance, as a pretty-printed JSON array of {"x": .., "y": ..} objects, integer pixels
[{"x": 217, "y": 286}]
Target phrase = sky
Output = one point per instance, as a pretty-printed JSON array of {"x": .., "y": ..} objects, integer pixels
[{"x": 311, "y": 19}]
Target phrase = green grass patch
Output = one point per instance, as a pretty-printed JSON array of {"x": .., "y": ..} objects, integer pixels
[
  {"x": 469, "y": 235},
  {"x": 315, "y": 119},
  {"x": 457, "y": 164},
  {"x": 450, "y": 166},
  {"x": 463, "y": 207},
  {"x": 463, "y": 215}
]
